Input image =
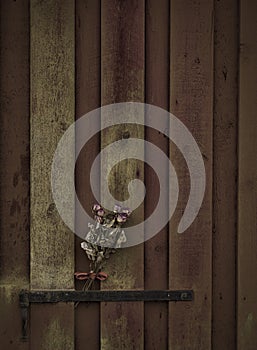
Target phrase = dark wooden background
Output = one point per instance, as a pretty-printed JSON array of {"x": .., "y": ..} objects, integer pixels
[{"x": 62, "y": 59}]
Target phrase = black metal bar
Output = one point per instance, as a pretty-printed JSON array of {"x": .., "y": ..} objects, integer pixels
[
  {"x": 24, "y": 304},
  {"x": 102, "y": 295},
  {"x": 55, "y": 296}
]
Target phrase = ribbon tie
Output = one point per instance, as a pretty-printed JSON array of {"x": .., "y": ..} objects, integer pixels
[{"x": 101, "y": 276}]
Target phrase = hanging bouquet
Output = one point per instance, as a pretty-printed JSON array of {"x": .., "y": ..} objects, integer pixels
[{"x": 102, "y": 240}]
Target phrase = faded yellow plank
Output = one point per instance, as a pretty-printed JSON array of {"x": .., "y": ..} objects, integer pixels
[
  {"x": 52, "y": 111},
  {"x": 247, "y": 179},
  {"x": 123, "y": 80},
  {"x": 191, "y": 100}
]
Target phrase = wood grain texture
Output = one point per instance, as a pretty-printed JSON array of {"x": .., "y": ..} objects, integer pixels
[
  {"x": 122, "y": 51},
  {"x": 156, "y": 93},
  {"x": 225, "y": 174},
  {"x": 88, "y": 97},
  {"x": 52, "y": 326},
  {"x": 247, "y": 186},
  {"x": 14, "y": 168},
  {"x": 52, "y": 111},
  {"x": 191, "y": 100}
]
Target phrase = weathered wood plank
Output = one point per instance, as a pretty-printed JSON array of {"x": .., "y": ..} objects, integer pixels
[
  {"x": 122, "y": 48},
  {"x": 52, "y": 111},
  {"x": 191, "y": 84},
  {"x": 52, "y": 327},
  {"x": 225, "y": 174},
  {"x": 14, "y": 168},
  {"x": 88, "y": 97},
  {"x": 156, "y": 93},
  {"x": 247, "y": 176}
]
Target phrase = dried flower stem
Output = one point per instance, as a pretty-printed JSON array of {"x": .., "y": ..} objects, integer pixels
[{"x": 89, "y": 282}]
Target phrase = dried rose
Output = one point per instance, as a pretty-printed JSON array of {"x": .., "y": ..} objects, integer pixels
[
  {"x": 117, "y": 208},
  {"x": 126, "y": 211},
  {"x": 100, "y": 212},
  {"x": 96, "y": 207},
  {"x": 121, "y": 218}
]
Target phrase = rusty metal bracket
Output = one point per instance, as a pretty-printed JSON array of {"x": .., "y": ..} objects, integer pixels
[{"x": 55, "y": 296}]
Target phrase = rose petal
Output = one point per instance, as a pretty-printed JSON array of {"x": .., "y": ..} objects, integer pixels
[
  {"x": 126, "y": 211},
  {"x": 121, "y": 218},
  {"x": 117, "y": 208},
  {"x": 96, "y": 207},
  {"x": 100, "y": 212}
]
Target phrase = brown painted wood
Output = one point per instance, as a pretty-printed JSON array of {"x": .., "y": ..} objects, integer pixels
[
  {"x": 247, "y": 175},
  {"x": 52, "y": 326},
  {"x": 191, "y": 101},
  {"x": 191, "y": 69},
  {"x": 88, "y": 97},
  {"x": 52, "y": 111},
  {"x": 122, "y": 56},
  {"x": 225, "y": 174},
  {"x": 156, "y": 93},
  {"x": 14, "y": 168}
]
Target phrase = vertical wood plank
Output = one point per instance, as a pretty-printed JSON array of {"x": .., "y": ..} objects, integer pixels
[
  {"x": 156, "y": 93},
  {"x": 52, "y": 327},
  {"x": 14, "y": 168},
  {"x": 247, "y": 186},
  {"x": 88, "y": 97},
  {"x": 52, "y": 111},
  {"x": 225, "y": 174},
  {"x": 122, "y": 48},
  {"x": 191, "y": 84}
]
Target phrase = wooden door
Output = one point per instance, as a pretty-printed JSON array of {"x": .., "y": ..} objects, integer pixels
[{"x": 196, "y": 59}]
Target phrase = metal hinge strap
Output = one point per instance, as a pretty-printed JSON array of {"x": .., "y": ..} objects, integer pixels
[{"x": 55, "y": 296}]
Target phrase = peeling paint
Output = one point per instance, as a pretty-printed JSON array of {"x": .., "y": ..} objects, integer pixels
[
  {"x": 9, "y": 291},
  {"x": 248, "y": 326},
  {"x": 56, "y": 339},
  {"x": 116, "y": 279},
  {"x": 120, "y": 338}
]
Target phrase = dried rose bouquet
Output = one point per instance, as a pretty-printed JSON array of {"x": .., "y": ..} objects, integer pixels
[{"x": 102, "y": 240}]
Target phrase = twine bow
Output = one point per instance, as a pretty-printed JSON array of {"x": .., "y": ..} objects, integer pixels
[{"x": 101, "y": 276}]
